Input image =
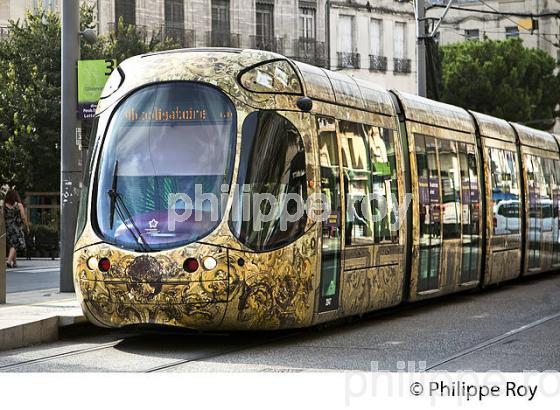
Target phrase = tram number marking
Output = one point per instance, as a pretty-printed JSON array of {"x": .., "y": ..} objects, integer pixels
[{"x": 328, "y": 301}]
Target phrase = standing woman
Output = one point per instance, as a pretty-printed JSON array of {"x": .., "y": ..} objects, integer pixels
[{"x": 15, "y": 217}]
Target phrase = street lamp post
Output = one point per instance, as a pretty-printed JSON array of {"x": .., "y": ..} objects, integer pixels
[
  {"x": 70, "y": 158},
  {"x": 420, "y": 12}
]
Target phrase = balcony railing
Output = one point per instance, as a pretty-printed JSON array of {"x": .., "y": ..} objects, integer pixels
[
  {"x": 223, "y": 39},
  {"x": 275, "y": 44},
  {"x": 401, "y": 65},
  {"x": 185, "y": 38},
  {"x": 143, "y": 30},
  {"x": 348, "y": 60},
  {"x": 377, "y": 63},
  {"x": 310, "y": 51},
  {"x": 4, "y": 31}
]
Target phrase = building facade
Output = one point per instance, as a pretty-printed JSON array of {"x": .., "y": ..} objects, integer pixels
[
  {"x": 15, "y": 9},
  {"x": 295, "y": 28},
  {"x": 541, "y": 32},
  {"x": 374, "y": 41}
]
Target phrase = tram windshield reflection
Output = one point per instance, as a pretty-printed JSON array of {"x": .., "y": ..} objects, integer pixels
[{"x": 165, "y": 143}]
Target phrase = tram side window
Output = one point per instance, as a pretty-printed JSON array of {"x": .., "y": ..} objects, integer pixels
[
  {"x": 429, "y": 212},
  {"x": 555, "y": 171},
  {"x": 505, "y": 191},
  {"x": 92, "y": 148},
  {"x": 535, "y": 181},
  {"x": 470, "y": 212},
  {"x": 450, "y": 188},
  {"x": 271, "y": 171},
  {"x": 357, "y": 183},
  {"x": 546, "y": 194},
  {"x": 384, "y": 178}
]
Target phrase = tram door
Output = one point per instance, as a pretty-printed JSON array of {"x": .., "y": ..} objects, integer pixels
[
  {"x": 329, "y": 159},
  {"x": 449, "y": 252},
  {"x": 429, "y": 213}
]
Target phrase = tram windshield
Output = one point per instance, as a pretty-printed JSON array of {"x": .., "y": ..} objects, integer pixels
[{"x": 166, "y": 161}]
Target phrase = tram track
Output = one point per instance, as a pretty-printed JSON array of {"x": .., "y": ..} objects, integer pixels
[
  {"x": 61, "y": 355},
  {"x": 181, "y": 362},
  {"x": 145, "y": 350},
  {"x": 163, "y": 367},
  {"x": 493, "y": 341}
]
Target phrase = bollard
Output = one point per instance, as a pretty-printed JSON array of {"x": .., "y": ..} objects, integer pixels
[{"x": 2, "y": 257}]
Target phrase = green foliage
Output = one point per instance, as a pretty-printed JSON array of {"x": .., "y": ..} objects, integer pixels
[
  {"x": 127, "y": 41},
  {"x": 30, "y": 95},
  {"x": 42, "y": 240},
  {"x": 30, "y": 78},
  {"x": 503, "y": 79}
]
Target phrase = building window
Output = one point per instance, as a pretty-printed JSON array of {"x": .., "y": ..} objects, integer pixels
[
  {"x": 347, "y": 57},
  {"x": 220, "y": 23},
  {"x": 376, "y": 60},
  {"x": 472, "y": 34},
  {"x": 401, "y": 64},
  {"x": 174, "y": 13},
  {"x": 375, "y": 37},
  {"x": 175, "y": 21},
  {"x": 512, "y": 32},
  {"x": 265, "y": 26},
  {"x": 127, "y": 10},
  {"x": 307, "y": 23},
  {"x": 400, "y": 40},
  {"x": 346, "y": 34}
]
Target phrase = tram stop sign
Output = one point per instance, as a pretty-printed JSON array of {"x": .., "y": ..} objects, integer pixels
[{"x": 92, "y": 76}]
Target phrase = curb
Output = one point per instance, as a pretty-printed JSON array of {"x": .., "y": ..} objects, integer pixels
[{"x": 36, "y": 332}]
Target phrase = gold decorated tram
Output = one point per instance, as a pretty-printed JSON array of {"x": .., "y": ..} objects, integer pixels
[{"x": 424, "y": 199}]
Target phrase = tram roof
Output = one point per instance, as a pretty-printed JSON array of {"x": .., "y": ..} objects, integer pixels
[
  {"x": 492, "y": 127},
  {"x": 426, "y": 111},
  {"x": 531, "y": 137},
  {"x": 340, "y": 88},
  {"x": 218, "y": 66},
  {"x": 224, "y": 64}
]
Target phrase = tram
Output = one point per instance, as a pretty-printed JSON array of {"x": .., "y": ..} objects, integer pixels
[{"x": 470, "y": 200}]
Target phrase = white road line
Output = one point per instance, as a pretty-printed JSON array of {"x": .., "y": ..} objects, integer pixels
[{"x": 32, "y": 270}]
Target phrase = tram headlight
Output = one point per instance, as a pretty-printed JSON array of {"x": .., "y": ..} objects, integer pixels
[
  {"x": 92, "y": 263},
  {"x": 209, "y": 263}
]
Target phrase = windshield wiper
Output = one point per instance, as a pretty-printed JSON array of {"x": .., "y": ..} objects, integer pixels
[
  {"x": 118, "y": 205},
  {"x": 112, "y": 195}
]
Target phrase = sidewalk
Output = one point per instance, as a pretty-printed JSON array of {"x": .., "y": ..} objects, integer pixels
[{"x": 33, "y": 315}]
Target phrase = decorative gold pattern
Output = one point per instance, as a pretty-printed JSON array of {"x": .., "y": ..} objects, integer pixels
[{"x": 281, "y": 288}]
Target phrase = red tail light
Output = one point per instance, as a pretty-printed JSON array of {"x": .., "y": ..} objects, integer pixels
[
  {"x": 190, "y": 265},
  {"x": 104, "y": 265}
]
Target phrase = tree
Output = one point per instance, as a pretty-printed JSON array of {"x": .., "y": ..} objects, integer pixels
[
  {"x": 30, "y": 110},
  {"x": 127, "y": 41},
  {"x": 503, "y": 79},
  {"x": 30, "y": 78}
]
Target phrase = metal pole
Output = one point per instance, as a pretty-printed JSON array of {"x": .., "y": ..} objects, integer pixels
[
  {"x": 2, "y": 258},
  {"x": 70, "y": 157},
  {"x": 420, "y": 12},
  {"x": 328, "y": 32}
]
